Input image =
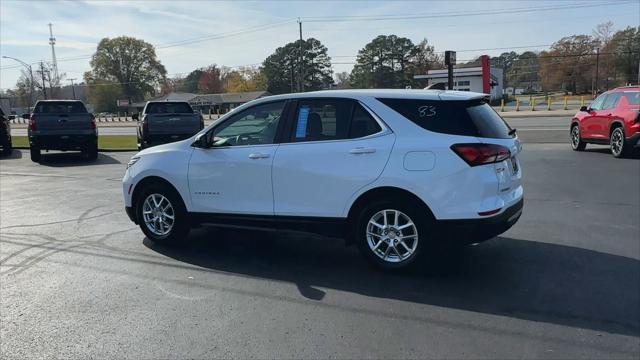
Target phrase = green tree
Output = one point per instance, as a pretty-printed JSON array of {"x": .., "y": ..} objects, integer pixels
[
  {"x": 423, "y": 59},
  {"x": 382, "y": 63},
  {"x": 190, "y": 83},
  {"x": 625, "y": 46},
  {"x": 103, "y": 94},
  {"x": 130, "y": 62},
  {"x": 281, "y": 68},
  {"x": 523, "y": 71}
]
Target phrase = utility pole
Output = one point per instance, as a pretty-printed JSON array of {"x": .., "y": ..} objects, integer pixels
[
  {"x": 300, "y": 80},
  {"x": 595, "y": 91},
  {"x": 73, "y": 88},
  {"x": 44, "y": 84}
]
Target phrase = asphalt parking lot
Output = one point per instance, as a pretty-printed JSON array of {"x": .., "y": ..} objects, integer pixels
[{"x": 79, "y": 280}]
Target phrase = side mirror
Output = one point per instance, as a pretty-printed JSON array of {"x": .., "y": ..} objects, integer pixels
[
  {"x": 584, "y": 109},
  {"x": 135, "y": 117},
  {"x": 26, "y": 116},
  {"x": 201, "y": 141}
]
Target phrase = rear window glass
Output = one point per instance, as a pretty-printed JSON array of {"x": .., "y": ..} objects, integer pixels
[
  {"x": 633, "y": 97},
  {"x": 468, "y": 118},
  {"x": 169, "y": 108},
  {"x": 60, "y": 107}
]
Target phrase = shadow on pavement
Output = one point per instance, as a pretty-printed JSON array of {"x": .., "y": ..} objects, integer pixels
[
  {"x": 528, "y": 280},
  {"x": 15, "y": 154},
  {"x": 64, "y": 159},
  {"x": 635, "y": 155}
]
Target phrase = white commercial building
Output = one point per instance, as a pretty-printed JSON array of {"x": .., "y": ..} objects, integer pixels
[{"x": 482, "y": 79}]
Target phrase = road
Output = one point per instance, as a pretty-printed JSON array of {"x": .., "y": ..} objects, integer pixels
[
  {"x": 535, "y": 129},
  {"x": 79, "y": 280}
]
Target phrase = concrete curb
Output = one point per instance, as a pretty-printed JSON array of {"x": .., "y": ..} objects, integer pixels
[{"x": 99, "y": 150}]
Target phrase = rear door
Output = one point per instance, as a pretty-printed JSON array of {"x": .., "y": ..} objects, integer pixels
[
  {"x": 605, "y": 116},
  {"x": 61, "y": 116},
  {"x": 336, "y": 147}
]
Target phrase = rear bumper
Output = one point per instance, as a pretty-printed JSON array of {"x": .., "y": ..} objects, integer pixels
[
  {"x": 478, "y": 230},
  {"x": 63, "y": 142}
]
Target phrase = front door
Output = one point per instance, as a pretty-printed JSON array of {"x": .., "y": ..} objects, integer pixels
[
  {"x": 233, "y": 175},
  {"x": 589, "y": 123}
]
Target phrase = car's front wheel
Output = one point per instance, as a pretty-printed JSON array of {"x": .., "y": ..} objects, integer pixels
[
  {"x": 619, "y": 148},
  {"x": 576, "y": 141},
  {"x": 394, "y": 235},
  {"x": 162, "y": 215}
]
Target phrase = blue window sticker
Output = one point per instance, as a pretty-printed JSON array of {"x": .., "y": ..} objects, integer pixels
[{"x": 303, "y": 116}]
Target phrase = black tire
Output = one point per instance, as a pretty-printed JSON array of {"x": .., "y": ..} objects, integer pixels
[
  {"x": 35, "y": 153},
  {"x": 618, "y": 143},
  {"x": 424, "y": 229},
  {"x": 181, "y": 224},
  {"x": 7, "y": 149},
  {"x": 91, "y": 152},
  {"x": 577, "y": 144}
]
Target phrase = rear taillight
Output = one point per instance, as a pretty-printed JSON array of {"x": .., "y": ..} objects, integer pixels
[
  {"x": 201, "y": 122},
  {"x": 481, "y": 154},
  {"x": 32, "y": 122},
  {"x": 93, "y": 121},
  {"x": 145, "y": 126}
]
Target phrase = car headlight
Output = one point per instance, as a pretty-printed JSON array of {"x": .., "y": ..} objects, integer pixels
[{"x": 132, "y": 161}]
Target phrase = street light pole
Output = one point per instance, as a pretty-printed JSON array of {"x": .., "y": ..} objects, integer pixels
[
  {"x": 30, "y": 76},
  {"x": 73, "y": 88}
]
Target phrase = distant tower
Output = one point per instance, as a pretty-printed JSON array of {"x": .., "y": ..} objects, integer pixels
[{"x": 54, "y": 62}]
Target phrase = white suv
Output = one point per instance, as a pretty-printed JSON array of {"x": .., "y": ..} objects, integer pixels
[{"x": 394, "y": 171}]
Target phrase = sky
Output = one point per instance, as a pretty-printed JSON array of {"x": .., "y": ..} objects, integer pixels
[{"x": 193, "y": 34}]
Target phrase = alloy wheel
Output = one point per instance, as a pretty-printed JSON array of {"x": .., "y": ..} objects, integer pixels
[
  {"x": 158, "y": 214},
  {"x": 617, "y": 142},
  {"x": 392, "y": 235},
  {"x": 575, "y": 137}
]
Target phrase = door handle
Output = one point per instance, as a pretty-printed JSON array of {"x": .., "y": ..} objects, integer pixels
[
  {"x": 362, "y": 150},
  {"x": 258, "y": 156}
]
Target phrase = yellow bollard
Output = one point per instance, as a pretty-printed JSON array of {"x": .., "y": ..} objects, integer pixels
[
  {"x": 581, "y": 101},
  {"x": 502, "y": 105},
  {"x": 565, "y": 103},
  {"x": 533, "y": 104},
  {"x": 548, "y": 103},
  {"x": 517, "y": 104}
]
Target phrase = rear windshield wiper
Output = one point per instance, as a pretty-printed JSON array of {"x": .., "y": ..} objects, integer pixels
[{"x": 512, "y": 132}]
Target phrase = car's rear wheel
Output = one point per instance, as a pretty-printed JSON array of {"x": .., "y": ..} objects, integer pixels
[
  {"x": 162, "y": 215},
  {"x": 576, "y": 141},
  {"x": 35, "y": 153},
  {"x": 394, "y": 235},
  {"x": 91, "y": 152},
  {"x": 618, "y": 143}
]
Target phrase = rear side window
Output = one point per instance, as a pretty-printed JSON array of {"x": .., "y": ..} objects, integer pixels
[
  {"x": 332, "y": 119},
  {"x": 633, "y": 97},
  {"x": 60, "y": 107},
  {"x": 468, "y": 118},
  {"x": 169, "y": 108}
]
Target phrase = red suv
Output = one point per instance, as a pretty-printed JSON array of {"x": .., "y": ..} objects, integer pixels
[{"x": 612, "y": 119}]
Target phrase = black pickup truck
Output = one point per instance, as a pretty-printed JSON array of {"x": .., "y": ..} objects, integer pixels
[
  {"x": 166, "y": 121},
  {"x": 62, "y": 125}
]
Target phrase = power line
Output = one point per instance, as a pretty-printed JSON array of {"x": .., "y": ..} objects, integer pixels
[{"x": 347, "y": 18}]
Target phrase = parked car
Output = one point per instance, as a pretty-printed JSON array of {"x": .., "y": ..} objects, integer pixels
[
  {"x": 397, "y": 172},
  {"x": 5, "y": 134},
  {"x": 612, "y": 119},
  {"x": 166, "y": 121},
  {"x": 62, "y": 125}
]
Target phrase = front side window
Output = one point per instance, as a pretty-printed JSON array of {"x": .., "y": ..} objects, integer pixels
[
  {"x": 611, "y": 101},
  {"x": 254, "y": 126},
  {"x": 598, "y": 102}
]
